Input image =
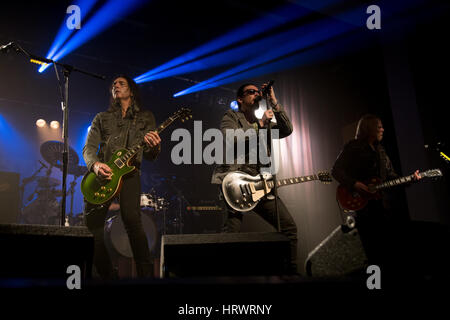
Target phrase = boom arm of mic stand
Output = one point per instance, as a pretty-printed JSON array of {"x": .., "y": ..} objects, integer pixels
[{"x": 67, "y": 69}]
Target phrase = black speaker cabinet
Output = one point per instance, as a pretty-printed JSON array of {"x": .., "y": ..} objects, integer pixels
[
  {"x": 224, "y": 254},
  {"x": 41, "y": 251},
  {"x": 9, "y": 197},
  {"x": 339, "y": 254}
]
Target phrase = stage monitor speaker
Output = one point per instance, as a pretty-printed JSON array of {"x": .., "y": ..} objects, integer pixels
[
  {"x": 41, "y": 251},
  {"x": 224, "y": 254},
  {"x": 339, "y": 254},
  {"x": 9, "y": 197}
]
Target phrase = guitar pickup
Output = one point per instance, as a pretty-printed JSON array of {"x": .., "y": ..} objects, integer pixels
[
  {"x": 243, "y": 190},
  {"x": 119, "y": 163}
]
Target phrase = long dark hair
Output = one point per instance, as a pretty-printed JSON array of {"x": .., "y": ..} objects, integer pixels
[
  {"x": 367, "y": 127},
  {"x": 136, "y": 104}
]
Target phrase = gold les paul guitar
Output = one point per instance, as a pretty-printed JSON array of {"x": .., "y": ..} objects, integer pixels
[{"x": 98, "y": 191}]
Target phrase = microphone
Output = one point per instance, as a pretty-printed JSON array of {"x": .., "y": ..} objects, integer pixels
[
  {"x": 43, "y": 164},
  {"x": 6, "y": 46},
  {"x": 267, "y": 88}
]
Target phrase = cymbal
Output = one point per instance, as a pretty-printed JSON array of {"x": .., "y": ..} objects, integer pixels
[
  {"x": 52, "y": 152},
  {"x": 47, "y": 182}
]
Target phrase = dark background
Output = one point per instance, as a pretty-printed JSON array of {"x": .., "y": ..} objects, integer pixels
[{"x": 399, "y": 73}]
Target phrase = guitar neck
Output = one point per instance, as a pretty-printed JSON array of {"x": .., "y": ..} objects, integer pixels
[
  {"x": 396, "y": 182},
  {"x": 135, "y": 149},
  {"x": 294, "y": 180}
]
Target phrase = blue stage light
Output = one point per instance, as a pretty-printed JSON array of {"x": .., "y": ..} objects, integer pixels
[
  {"x": 269, "y": 21},
  {"x": 64, "y": 32},
  {"x": 109, "y": 14},
  {"x": 330, "y": 49},
  {"x": 305, "y": 37},
  {"x": 13, "y": 141},
  {"x": 79, "y": 139},
  {"x": 238, "y": 54}
]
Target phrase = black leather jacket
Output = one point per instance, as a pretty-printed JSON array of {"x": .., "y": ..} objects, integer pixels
[{"x": 112, "y": 132}]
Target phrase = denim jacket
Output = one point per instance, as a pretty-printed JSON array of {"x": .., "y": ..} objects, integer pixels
[{"x": 111, "y": 132}]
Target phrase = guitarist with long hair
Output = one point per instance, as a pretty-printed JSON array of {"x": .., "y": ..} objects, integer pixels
[
  {"x": 121, "y": 126},
  {"x": 362, "y": 159}
]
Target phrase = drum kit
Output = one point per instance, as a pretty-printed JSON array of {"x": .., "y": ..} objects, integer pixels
[{"x": 43, "y": 205}]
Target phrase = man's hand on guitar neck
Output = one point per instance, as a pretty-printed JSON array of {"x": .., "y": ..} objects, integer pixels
[
  {"x": 152, "y": 139},
  {"x": 102, "y": 170},
  {"x": 416, "y": 176}
]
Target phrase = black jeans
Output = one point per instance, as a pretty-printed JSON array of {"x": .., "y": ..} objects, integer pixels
[
  {"x": 131, "y": 216},
  {"x": 266, "y": 210},
  {"x": 381, "y": 236}
]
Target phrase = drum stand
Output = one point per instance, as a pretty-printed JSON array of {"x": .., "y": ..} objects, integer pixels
[
  {"x": 25, "y": 181},
  {"x": 69, "y": 217},
  {"x": 180, "y": 198}
]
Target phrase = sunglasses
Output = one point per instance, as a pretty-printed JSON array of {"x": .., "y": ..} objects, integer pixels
[{"x": 251, "y": 91}]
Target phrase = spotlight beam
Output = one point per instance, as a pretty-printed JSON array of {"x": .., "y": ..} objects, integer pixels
[
  {"x": 281, "y": 16},
  {"x": 228, "y": 57},
  {"x": 64, "y": 33},
  {"x": 333, "y": 48},
  {"x": 319, "y": 32},
  {"x": 308, "y": 36},
  {"x": 109, "y": 14}
]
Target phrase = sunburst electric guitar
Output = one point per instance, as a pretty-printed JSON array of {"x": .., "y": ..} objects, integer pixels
[
  {"x": 242, "y": 191},
  {"x": 353, "y": 200},
  {"x": 97, "y": 190}
]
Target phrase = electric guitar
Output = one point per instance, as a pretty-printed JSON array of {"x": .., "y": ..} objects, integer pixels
[
  {"x": 354, "y": 200},
  {"x": 242, "y": 191},
  {"x": 97, "y": 190}
]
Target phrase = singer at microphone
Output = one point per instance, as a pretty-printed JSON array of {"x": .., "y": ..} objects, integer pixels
[
  {"x": 268, "y": 93},
  {"x": 248, "y": 97},
  {"x": 266, "y": 88}
]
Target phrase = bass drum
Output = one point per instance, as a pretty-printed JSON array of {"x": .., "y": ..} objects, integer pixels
[{"x": 116, "y": 237}]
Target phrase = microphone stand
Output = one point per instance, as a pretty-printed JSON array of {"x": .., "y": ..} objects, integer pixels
[
  {"x": 67, "y": 69},
  {"x": 269, "y": 154}
]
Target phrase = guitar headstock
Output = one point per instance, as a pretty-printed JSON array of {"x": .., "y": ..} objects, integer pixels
[
  {"x": 324, "y": 177},
  {"x": 434, "y": 173},
  {"x": 184, "y": 114}
]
